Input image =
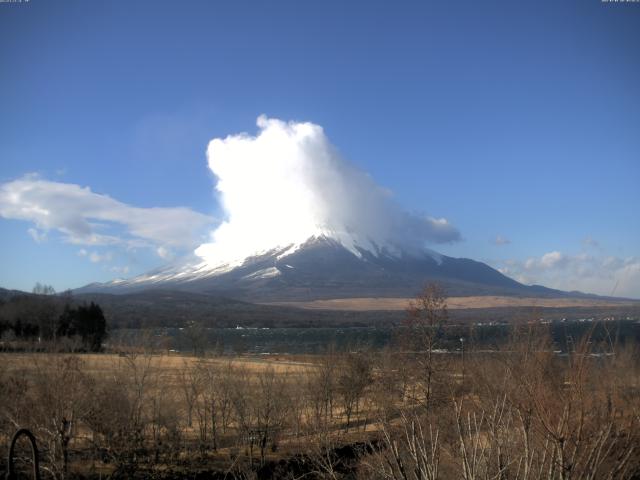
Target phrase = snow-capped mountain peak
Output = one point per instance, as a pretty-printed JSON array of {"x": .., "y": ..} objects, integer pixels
[{"x": 323, "y": 266}]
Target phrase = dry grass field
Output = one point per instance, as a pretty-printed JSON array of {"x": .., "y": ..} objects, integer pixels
[
  {"x": 166, "y": 365},
  {"x": 150, "y": 415},
  {"x": 218, "y": 410},
  {"x": 408, "y": 412},
  {"x": 372, "y": 304}
]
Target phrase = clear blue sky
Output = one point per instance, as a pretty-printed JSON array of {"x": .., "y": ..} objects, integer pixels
[{"x": 518, "y": 122}]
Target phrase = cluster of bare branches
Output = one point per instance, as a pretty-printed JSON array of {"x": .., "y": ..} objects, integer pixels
[
  {"x": 140, "y": 408},
  {"x": 525, "y": 412},
  {"x": 419, "y": 410}
]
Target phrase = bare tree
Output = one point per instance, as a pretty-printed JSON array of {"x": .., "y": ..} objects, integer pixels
[
  {"x": 409, "y": 451},
  {"x": 426, "y": 317},
  {"x": 60, "y": 402},
  {"x": 321, "y": 389},
  {"x": 271, "y": 405},
  {"x": 353, "y": 378},
  {"x": 216, "y": 400},
  {"x": 122, "y": 409},
  {"x": 190, "y": 388}
]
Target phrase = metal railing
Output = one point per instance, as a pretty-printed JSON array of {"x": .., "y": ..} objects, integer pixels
[{"x": 11, "y": 473}]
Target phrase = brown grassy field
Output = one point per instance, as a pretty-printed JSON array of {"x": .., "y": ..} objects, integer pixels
[
  {"x": 101, "y": 363},
  {"x": 366, "y": 414},
  {"x": 373, "y": 304},
  {"x": 207, "y": 409}
]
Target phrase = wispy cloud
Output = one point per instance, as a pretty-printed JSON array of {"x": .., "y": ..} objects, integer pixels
[
  {"x": 95, "y": 257},
  {"x": 84, "y": 217},
  {"x": 37, "y": 235},
  {"x": 591, "y": 243},
  {"x": 120, "y": 270},
  {"x": 601, "y": 274},
  {"x": 500, "y": 240},
  {"x": 164, "y": 252}
]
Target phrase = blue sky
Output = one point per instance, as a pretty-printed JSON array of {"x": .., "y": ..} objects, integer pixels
[{"x": 518, "y": 122}]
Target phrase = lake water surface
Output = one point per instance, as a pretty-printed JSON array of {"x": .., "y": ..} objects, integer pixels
[{"x": 317, "y": 340}]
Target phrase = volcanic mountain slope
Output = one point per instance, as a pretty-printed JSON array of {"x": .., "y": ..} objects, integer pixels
[{"x": 326, "y": 267}]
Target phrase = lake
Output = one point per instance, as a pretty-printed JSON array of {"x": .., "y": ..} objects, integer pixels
[{"x": 317, "y": 340}]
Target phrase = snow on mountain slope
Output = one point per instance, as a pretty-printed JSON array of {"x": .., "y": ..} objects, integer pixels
[
  {"x": 325, "y": 267},
  {"x": 197, "y": 268}
]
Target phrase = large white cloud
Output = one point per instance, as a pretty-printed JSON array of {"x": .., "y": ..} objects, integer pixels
[
  {"x": 88, "y": 218},
  {"x": 601, "y": 274},
  {"x": 289, "y": 183},
  {"x": 278, "y": 188}
]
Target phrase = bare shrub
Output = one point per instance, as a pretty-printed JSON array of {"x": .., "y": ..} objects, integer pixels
[
  {"x": 354, "y": 376},
  {"x": 122, "y": 409},
  {"x": 60, "y": 402}
]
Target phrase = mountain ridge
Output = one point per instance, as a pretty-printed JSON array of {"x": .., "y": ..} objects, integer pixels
[{"x": 324, "y": 267}]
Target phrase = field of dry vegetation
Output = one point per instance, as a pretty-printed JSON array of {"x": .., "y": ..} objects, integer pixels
[{"x": 408, "y": 412}]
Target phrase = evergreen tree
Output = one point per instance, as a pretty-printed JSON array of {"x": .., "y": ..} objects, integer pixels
[{"x": 86, "y": 321}]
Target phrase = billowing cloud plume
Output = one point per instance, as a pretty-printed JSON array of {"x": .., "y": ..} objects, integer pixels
[
  {"x": 601, "y": 274},
  {"x": 288, "y": 183},
  {"x": 87, "y": 218}
]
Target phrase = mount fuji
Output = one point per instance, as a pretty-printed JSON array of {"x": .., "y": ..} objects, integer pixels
[
  {"x": 301, "y": 223},
  {"x": 326, "y": 266}
]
